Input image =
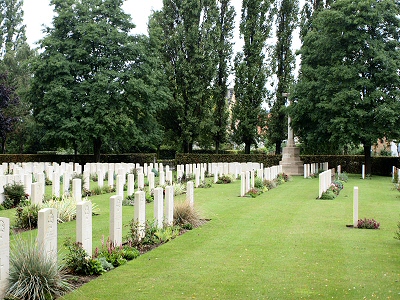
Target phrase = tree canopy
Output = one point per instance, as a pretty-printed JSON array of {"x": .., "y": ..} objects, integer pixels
[
  {"x": 348, "y": 89},
  {"x": 251, "y": 72},
  {"x": 90, "y": 85}
]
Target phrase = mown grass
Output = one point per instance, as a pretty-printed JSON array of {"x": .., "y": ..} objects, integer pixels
[{"x": 284, "y": 244}]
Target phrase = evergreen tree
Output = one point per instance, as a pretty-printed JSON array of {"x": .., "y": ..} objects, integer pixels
[
  {"x": 224, "y": 28},
  {"x": 284, "y": 62},
  {"x": 348, "y": 85},
  {"x": 188, "y": 50},
  {"x": 251, "y": 73}
]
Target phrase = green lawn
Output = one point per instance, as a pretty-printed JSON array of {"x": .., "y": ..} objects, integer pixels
[{"x": 284, "y": 244}]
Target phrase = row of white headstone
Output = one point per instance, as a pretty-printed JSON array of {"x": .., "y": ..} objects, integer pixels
[
  {"x": 314, "y": 168},
  {"x": 248, "y": 177},
  {"x": 47, "y": 224},
  {"x": 325, "y": 181}
]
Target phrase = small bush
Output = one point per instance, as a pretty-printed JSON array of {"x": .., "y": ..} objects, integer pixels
[
  {"x": 254, "y": 192},
  {"x": 27, "y": 216},
  {"x": 156, "y": 174},
  {"x": 258, "y": 183},
  {"x": 224, "y": 179},
  {"x": 115, "y": 255},
  {"x": 328, "y": 195},
  {"x": 13, "y": 195},
  {"x": 269, "y": 184},
  {"x": 129, "y": 200},
  {"x": 343, "y": 177},
  {"x": 185, "y": 214},
  {"x": 179, "y": 189},
  {"x": 79, "y": 262},
  {"x": 149, "y": 196},
  {"x": 152, "y": 234},
  {"x": 368, "y": 224},
  {"x": 34, "y": 275}
]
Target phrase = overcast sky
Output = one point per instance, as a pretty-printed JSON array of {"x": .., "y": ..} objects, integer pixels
[{"x": 38, "y": 12}]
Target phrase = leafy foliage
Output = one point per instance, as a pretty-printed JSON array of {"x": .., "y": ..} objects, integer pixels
[
  {"x": 78, "y": 261},
  {"x": 347, "y": 88},
  {"x": 13, "y": 194},
  {"x": 368, "y": 224},
  {"x": 251, "y": 73}
]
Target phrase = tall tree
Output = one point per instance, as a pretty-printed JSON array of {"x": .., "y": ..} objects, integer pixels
[
  {"x": 251, "y": 72},
  {"x": 188, "y": 49},
  {"x": 224, "y": 34},
  {"x": 284, "y": 62},
  {"x": 348, "y": 89},
  {"x": 82, "y": 89},
  {"x": 8, "y": 101},
  {"x": 14, "y": 59}
]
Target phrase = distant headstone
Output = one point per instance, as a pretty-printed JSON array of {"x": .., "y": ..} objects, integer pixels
[
  {"x": 355, "y": 206},
  {"x": 77, "y": 189},
  {"x": 141, "y": 181},
  {"x": 36, "y": 196},
  {"x": 190, "y": 193},
  {"x": 56, "y": 184},
  {"x": 150, "y": 177},
  {"x": 84, "y": 225},
  {"x": 116, "y": 220},
  {"x": 120, "y": 186},
  {"x": 131, "y": 184}
]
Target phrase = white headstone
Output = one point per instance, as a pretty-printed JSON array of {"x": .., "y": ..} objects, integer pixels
[
  {"x": 110, "y": 177},
  {"x": 116, "y": 220},
  {"x": 190, "y": 193},
  {"x": 27, "y": 183},
  {"x": 47, "y": 231},
  {"x": 131, "y": 184},
  {"x": 56, "y": 184},
  {"x": 100, "y": 178},
  {"x": 169, "y": 205},
  {"x": 159, "y": 206},
  {"x": 161, "y": 177},
  {"x": 4, "y": 255},
  {"x": 36, "y": 196},
  {"x": 84, "y": 225},
  {"x": 77, "y": 189},
  {"x": 355, "y": 206},
  {"x": 140, "y": 212},
  {"x": 120, "y": 186},
  {"x": 141, "y": 181},
  {"x": 150, "y": 177},
  {"x": 243, "y": 184}
]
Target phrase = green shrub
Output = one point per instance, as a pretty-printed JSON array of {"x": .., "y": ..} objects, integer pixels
[
  {"x": 254, "y": 192},
  {"x": 258, "y": 183},
  {"x": 152, "y": 234},
  {"x": 77, "y": 260},
  {"x": 328, "y": 195},
  {"x": 149, "y": 196},
  {"x": 224, "y": 179},
  {"x": 34, "y": 275},
  {"x": 156, "y": 174},
  {"x": 129, "y": 200},
  {"x": 27, "y": 216},
  {"x": 115, "y": 255},
  {"x": 179, "y": 189},
  {"x": 368, "y": 224},
  {"x": 343, "y": 177},
  {"x": 13, "y": 195},
  {"x": 269, "y": 184}
]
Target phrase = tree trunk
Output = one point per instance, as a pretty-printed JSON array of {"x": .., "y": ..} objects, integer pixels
[
  {"x": 278, "y": 148},
  {"x": 96, "y": 149},
  {"x": 217, "y": 144},
  {"x": 247, "y": 148},
  {"x": 367, "y": 157}
]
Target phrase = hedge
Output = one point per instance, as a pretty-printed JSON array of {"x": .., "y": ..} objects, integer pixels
[{"x": 140, "y": 158}]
